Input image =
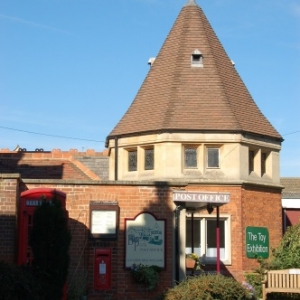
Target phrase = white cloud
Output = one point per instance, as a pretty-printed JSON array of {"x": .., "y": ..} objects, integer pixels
[{"x": 30, "y": 23}]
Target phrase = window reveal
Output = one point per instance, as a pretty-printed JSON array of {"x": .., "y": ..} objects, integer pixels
[
  {"x": 263, "y": 163},
  {"x": 251, "y": 161}
]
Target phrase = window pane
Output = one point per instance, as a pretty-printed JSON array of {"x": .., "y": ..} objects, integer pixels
[
  {"x": 211, "y": 240},
  {"x": 196, "y": 239},
  {"x": 132, "y": 161},
  {"x": 212, "y": 157},
  {"x": 190, "y": 157},
  {"x": 149, "y": 159}
]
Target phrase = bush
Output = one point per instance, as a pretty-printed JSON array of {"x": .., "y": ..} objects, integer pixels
[
  {"x": 50, "y": 240},
  {"x": 287, "y": 254},
  {"x": 147, "y": 275},
  {"x": 17, "y": 282},
  {"x": 208, "y": 287},
  {"x": 255, "y": 279}
]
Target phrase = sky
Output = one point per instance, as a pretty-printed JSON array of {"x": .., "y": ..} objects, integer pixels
[{"x": 69, "y": 69}]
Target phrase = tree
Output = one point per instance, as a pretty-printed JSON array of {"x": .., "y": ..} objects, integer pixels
[
  {"x": 50, "y": 241},
  {"x": 287, "y": 254}
]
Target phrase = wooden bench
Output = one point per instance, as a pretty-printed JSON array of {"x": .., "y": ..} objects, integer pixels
[{"x": 281, "y": 281}]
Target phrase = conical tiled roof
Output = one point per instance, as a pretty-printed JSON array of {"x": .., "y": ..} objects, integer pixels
[{"x": 176, "y": 97}]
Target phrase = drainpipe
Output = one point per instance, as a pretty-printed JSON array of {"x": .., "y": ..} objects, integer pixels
[{"x": 116, "y": 158}]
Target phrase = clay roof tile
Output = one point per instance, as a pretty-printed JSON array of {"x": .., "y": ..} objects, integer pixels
[{"x": 175, "y": 96}]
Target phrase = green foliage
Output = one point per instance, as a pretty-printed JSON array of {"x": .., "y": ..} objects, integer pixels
[
  {"x": 287, "y": 255},
  {"x": 196, "y": 258},
  {"x": 18, "y": 282},
  {"x": 255, "y": 279},
  {"x": 208, "y": 287},
  {"x": 50, "y": 240},
  {"x": 147, "y": 275}
]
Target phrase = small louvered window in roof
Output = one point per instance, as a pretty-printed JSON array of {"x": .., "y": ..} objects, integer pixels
[{"x": 197, "y": 59}]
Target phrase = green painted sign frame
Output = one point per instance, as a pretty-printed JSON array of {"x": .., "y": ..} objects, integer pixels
[{"x": 257, "y": 242}]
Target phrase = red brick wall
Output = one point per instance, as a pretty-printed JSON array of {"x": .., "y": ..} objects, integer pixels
[
  {"x": 8, "y": 212},
  {"x": 247, "y": 207},
  {"x": 132, "y": 200},
  {"x": 262, "y": 208}
]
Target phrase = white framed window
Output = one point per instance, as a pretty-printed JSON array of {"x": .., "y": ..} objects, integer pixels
[
  {"x": 213, "y": 157},
  {"x": 201, "y": 237}
]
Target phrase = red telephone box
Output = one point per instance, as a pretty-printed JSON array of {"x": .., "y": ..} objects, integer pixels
[
  {"x": 102, "y": 269},
  {"x": 29, "y": 201}
]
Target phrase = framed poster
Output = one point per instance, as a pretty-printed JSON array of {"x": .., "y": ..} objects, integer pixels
[
  {"x": 104, "y": 220},
  {"x": 145, "y": 240}
]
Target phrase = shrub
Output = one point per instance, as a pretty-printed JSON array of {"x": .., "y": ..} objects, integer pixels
[
  {"x": 287, "y": 254},
  {"x": 50, "y": 240},
  {"x": 208, "y": 287},
  {"x": 147, "y": 275},
  {"x": 18, "y": 282},
  {"x": 255, "y": 279}
]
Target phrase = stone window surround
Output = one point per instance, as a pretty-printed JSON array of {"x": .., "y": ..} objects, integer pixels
[
  {"x": 140, "y": 157},
  {"x": 202, "y": 159},
  {"x": 258, "y": 161}
]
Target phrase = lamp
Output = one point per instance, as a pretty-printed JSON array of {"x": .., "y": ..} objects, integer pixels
[{"x": 209, "y": 208}]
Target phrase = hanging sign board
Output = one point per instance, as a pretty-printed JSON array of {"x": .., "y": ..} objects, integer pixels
[
  {"x": 145, "y": 241},
  {"x": 257, "y": 242}
]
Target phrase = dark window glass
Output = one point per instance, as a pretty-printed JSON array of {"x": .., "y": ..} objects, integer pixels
[
  {"x": 190, "y": 158},
  {"x": 193, "y": 234},
  {"x": 263, "y": 163},
  {"x": 149, "y": 159},
  {"x": 211, "y": 233},
  {"x": 132, "y": 161},
  {"x": 251, "y": 161},
  {"x": 196, "y": 58},
  {"x": 212, "y": 157}
]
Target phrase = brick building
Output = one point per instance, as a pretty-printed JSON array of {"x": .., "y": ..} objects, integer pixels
[
  {"x": 192, "y": 166},
  {"x": 290, "y": 201}
]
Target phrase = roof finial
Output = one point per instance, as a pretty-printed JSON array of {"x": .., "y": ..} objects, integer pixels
[{"x": 191, "y": 2}]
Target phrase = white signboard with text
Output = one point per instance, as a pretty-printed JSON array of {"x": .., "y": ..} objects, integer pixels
[{"x": 145, "y": 241}]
